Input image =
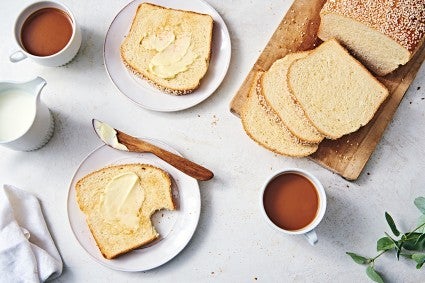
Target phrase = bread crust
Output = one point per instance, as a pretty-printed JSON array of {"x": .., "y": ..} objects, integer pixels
[{"x": 150, "y": 79}]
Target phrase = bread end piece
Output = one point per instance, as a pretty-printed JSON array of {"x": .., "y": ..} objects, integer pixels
[{"x": 391, "y": 31}]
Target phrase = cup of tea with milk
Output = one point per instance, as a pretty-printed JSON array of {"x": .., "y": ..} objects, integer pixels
[
  {"x": 47, "y": 33},
  {"x": 293, "y": 202}
]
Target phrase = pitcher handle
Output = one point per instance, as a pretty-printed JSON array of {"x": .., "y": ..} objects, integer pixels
[
  {"x": 17, "y": 56},
  {"x": 311, "y": 237}
]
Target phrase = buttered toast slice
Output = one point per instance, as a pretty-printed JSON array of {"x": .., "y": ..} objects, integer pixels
[
  {"x": 118, "y": 202},
  {"x": 336, "y": 92},
  {"x": 264, "y": 127},
  {"x": 274, "y": 88},
  {"x": 169, "y": 48}
]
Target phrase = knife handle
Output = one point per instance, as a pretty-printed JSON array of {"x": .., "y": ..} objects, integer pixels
[{"x": 186, "y": 166}]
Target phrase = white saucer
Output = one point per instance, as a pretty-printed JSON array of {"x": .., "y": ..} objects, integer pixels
[
  {"x": 175, "y": 227},
  {"x": 141, "y": 92}
]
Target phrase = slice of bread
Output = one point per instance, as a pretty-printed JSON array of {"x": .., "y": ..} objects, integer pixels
[
  {"x": 112, "y": 238},
  {"x": 381, "y": 34},
  {"x": 264, "y": 127},
  {"x": 169, "y": 48},
  {"x": 275, "y": 90},
  {"x": 337, "y": 93}
]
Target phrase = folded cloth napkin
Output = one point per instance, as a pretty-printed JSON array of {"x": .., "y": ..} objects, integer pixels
[{"x": 27, "y": 251}]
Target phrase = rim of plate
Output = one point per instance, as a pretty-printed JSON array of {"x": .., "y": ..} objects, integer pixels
[
  {"x": 177, "y": 251},
  {"x": 219, "y": 80}
]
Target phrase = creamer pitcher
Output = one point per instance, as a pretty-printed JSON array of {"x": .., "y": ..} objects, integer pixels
[{"x": 25, "y": 121}]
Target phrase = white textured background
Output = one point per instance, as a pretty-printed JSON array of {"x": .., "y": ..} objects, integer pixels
[{"x": 232, "y": 242}]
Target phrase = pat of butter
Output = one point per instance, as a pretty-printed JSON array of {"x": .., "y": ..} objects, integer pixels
[
  {"x": 160, "y": 41},
  {"x": 174, "y": 54},
  {"x": 170, "y": 71},
  {"x": 108, "y": 135},
  {"x": 122, "y": 199}
]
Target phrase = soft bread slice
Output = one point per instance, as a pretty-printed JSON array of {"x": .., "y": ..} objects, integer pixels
[
  {"x": 264, "y": 127},
  {"x": 337, "y": 93},
  {"x": 112, "y": 239},
  {"x": 162, "y": 28},
  {"x": 275, "y": 90},
  {"x": 381, "y": 34}
]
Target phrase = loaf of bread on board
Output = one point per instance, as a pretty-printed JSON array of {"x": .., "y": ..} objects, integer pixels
[
  {"x": 169, "y": 48},
  {"x": 115, "y": 236},
  {"x": 381, "y": 34}
]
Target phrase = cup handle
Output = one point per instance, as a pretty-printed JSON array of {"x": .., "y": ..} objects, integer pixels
[
  {"x": 17, "y": 56},
  {"x": 311, "y": 237}
]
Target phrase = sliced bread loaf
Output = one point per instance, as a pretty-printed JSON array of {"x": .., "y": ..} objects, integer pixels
[
  {"x": 118, "y": 212},
  {"x": 275, "y": 90},
  {"x": 170, "y": 48},
  {"x": 381, "y": 34},
  {"x": 337, "y": 94},
  {"x": 264, "y": 127}
]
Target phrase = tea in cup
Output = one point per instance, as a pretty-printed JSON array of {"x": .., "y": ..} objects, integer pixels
[
  {"x": 294, "y": 202},
  {"x": 47, "y": 33}
]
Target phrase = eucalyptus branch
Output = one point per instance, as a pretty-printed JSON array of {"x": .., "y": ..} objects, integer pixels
[{"x": 413, "y": 242}]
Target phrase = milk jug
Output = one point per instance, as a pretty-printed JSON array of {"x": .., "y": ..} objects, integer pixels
[{"x": 25, "y": 121}]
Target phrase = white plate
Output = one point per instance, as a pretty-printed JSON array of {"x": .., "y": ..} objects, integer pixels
[
  {"x": 142, "y": 92},
  {"x": 175, "y": 227}
]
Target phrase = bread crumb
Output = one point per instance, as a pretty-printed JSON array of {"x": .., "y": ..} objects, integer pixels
[{"x": 214, "y": 121}]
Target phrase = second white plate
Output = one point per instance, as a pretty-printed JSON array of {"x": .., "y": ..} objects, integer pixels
[
  {"x": 141, "y": 92},
  {"x": 175, "y": 227}
]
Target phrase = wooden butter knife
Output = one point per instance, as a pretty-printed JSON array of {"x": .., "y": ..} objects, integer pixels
[{"x": 115, "y": 139}]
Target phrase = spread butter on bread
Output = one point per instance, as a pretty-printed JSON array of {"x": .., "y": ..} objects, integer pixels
[
  {"x": 118, "y": 203},
  {"x": 381, "y": 34},
  {"x": 336, "y": 92},
  {"x": 169, "y": 48},
  {"x": 263, "y": 126}
]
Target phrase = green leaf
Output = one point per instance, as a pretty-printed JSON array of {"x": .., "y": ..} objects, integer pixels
[
  {"x": 359, "y": 259},
  {"x": 421, "y": 221},
  {"x": 414, "y": 242},
  {"x": 392, "y": 224},
  {"x": 384, "y": 244},
  {"x": 420, "y": 204},
  {"x": 420, "y": 259},
  {"x": 373, "y": 274}
]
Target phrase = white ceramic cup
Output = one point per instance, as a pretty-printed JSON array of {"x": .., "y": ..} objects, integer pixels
[
  {"x": 307, "y": 231},
  {"x": 58, "y": 59}
]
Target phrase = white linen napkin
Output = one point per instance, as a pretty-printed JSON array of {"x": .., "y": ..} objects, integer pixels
[{"x": 27, "y": 251}]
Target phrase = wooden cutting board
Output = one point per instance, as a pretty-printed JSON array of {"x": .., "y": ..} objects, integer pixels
[{"x": 297, "y": 31}]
